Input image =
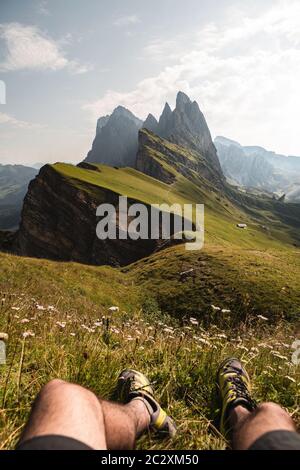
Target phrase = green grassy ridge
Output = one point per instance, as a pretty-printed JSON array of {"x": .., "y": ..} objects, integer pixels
[
  {"x": 221, "y": 217},
  {"x": 246, "y": 281},
  {"x": 126, "y": 182}
]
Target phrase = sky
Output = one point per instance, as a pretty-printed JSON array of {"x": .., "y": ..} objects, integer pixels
[{"x": 64, "y": 63}]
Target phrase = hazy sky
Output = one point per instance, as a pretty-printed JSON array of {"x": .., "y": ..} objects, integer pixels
[{"x": 67, "y": 62}]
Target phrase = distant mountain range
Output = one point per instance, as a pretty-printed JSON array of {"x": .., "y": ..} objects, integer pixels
[
  {"x": 118, "y": 141},
  {"x": 255, "y": 167},
  {"x": 171, "y": 160},
  {"x": 14, "y": 180}
]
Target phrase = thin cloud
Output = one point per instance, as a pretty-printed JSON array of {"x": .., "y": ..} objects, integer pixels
[
  {"x": 28, "y": 48},
  {"x": 126, "y": 20},
  {"x": 43, "y": 8},
  {"x": 6, "y": 119}
]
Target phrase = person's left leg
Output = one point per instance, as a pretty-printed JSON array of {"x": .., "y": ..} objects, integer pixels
[
  {"x": 246, "y": 425},
  {"x": 64, "y": 409}
]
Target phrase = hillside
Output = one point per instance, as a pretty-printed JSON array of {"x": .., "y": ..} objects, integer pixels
[
  {"x": 14, "y": 180},
  {"x": 179, "y": 312},
  {"x": 59, "y": 325}
]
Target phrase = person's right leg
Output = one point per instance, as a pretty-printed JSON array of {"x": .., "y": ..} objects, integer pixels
[
  {"x": 66, "y": 415},
  {"x": 267, "y": 426},
  {"x": 71, "y": 411},
  {"x": 248, "y": 427}
]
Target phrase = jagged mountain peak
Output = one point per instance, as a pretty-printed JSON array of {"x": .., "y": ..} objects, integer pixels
[
  {"x": 164, "y": 121},
  {"x": 102, "y": 121},
  {"x": 182, "y": 99},
  {"x": 167, "y": 111},
  {"x": 116, "y": 140},
  {"x": 121, "y": 111},
  {"x": 151, "y": 123}
]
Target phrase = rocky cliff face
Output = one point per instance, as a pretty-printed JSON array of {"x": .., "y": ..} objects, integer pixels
[
  {"x": 59, "y": 222},
  {"x": 158, "y": 157},
  {"x": 151, "y": 123},
  {"x": 186, "y": 126},
  {"x": 116, "y": 140}
]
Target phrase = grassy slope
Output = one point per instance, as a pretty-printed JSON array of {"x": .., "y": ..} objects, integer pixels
[
  {"x": 244, "y": 271},
  {"x": 73, "y": 341}
]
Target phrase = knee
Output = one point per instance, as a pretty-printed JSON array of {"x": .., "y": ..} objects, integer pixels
[
  {"x": 272, "y": 409},
  {"x": 62, "y": 390},
  {"x": 54, "y": 386}
]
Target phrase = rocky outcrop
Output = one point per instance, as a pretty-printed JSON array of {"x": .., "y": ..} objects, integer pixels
[
  {"x": 151, "y": 123},
  {"x": 102, "y": 121},
  {"x": 187, "y": 127},
  {"x": 164, "y": 123},
  {"x": 116, "y": 140},
  {"x": 149, "y": 147},
  {"x": 59, "y": 222},
  {"x": 161, "y": 159}
]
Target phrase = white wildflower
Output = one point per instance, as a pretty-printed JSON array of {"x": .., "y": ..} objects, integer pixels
[
  {"x": 280, "y": 356},
  {"x": 51, "y": 308},
  {"x": 87, "y": 328},
  {"x": 61, "y": 324},
  {"x": 262, "y": 317},
  {"x": 204, "y": 341},
  {"x": 168, "y": 330},
  {"x": 291, "y": 379},
  {"x": 194, "y": 322},
  {"x": 27, "y": 334},
  {"x": 24, "y": 320},
  {"x": 216, "y": 309},
  {"x": 113, "y": 309},
  {"x": 221, "y": 335},
  {"x": 226, "y": 310},
  {"x": 40, "y": 307}
]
